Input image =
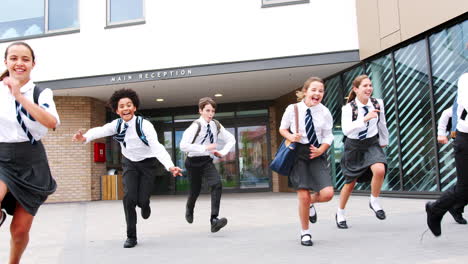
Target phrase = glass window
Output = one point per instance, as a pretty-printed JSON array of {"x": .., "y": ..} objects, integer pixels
[
  {"x": 414, "y": 114},
  {"x": 261, "y": 112},
  {"x": 23, "y": 18},
  {"x": 20, "y": 18},
  {"x": 63, "y": 14},
  {"x": 227, "y": 165},
  {"x": 449, "y": 60},
  {"x": 333, "y": 101},
  {"x": 124, "y": 11},
  {"x": 253, "y": 157},
  {"x": 380, "y": 73}
]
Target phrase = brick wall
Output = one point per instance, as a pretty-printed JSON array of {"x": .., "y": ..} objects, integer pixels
[{"x": 71, "y": 163}]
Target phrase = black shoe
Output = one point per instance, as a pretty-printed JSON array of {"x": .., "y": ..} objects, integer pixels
[
  {"x": 307, "y": 243},
  {"x": 3, "y": 217},
  {"x": 380, "y": 214},
  {"x": 217, "y": 224},
  {"x": 146, "y": 212},
  {"x": 433, "y": 220},
  {"x": 188, "y": 216},
  {"x": 342, "y": 224},
  {"x": 130, "y": 242},
  {"x": 313, "y": 218},
  {"x": 456, "y": 215}
]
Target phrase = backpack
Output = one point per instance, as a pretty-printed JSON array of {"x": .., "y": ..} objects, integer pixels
[
  {"x": 36, "y": 93},
  {"x": 354, "y": 111},
  {"x": 139, "y": 128},
  {"x": 218, "y": 128}
]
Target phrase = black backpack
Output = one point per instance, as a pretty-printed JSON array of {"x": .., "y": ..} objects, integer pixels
[
  {"x": 354, "y": 111},
  {"x": 139, "y": 128}
]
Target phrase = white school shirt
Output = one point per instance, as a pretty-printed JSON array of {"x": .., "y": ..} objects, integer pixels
[
  {"x": 198, "y": 149},
  {"x": 443, "y": 121},
  {"x": 462, "y": 125},
  {"x": 321, "y": 117},
  {"x": 135, "y": 149},
  {"x": 10, "y": 129},
  {"x": 352, "y": 128}
]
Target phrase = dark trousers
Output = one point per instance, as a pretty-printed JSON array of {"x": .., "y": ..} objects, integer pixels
[
  {"x": 456, "y": 197},
  {"x": 198, "y": 168},
  {"x": 138, "y": 180}
]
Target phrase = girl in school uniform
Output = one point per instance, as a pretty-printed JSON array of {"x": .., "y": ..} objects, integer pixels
[
  {"x": 363, "y": 123},
  {"x": 310, "y": 171},
  {"x": 25, "y": 178}
]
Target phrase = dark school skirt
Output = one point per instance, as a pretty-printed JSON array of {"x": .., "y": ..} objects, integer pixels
[
  {"x": 358, "y": 156},
  {"x": 25, "y": 171},
  {"x": 311, "y": 174}
]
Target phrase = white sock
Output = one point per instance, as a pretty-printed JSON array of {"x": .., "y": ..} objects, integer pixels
[
  {"x": 312, "y": 210},
  {"x": 375, "y": 203},
  {"x": 340, "y": 215},
  {"x": 305, "y": 232}
]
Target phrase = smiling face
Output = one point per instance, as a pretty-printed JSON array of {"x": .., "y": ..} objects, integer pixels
[
  {"x": 126, "y": 109},
  {"x": 207, "y": 112},
  {"x": 19, "y": 62},
  {"x": 364, "y": 90},
  {"x": 314, "y": 93}
]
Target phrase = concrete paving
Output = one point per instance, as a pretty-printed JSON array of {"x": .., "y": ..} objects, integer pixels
[{"x": 262, "y": 228}]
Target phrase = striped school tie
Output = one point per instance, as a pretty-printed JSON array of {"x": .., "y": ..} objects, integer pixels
[
  {"x": 19, "y": 109},
  {"x": 121, "y": 136},
  {"x": 208, "y": 134},
  {"x": 363, "y": 134},
  {"x": 310, "y": 129}
]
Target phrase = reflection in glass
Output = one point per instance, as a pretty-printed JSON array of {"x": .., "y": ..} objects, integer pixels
[
  {"x": 380, "y": 72},
  {"x": 182, "y": 183},
  {"x": 253, "y": 157},
  {"x": 18, "y": 21},
  {"x": 414, "y": 114},
  {"x": 125, "y": 10},
  {"x": 226, "y": 165},
  {"x": 63, "y": 14},
  {"x": 449, "y": 60}
]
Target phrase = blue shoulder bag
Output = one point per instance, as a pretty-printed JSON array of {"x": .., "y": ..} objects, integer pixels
[{"x": 286, "y": 154}]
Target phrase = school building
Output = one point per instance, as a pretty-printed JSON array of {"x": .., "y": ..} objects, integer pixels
[{"x": 250, "y": 56}]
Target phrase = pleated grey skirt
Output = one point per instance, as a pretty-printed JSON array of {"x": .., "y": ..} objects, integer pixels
[
  {"x": 311, "y": 174},
  {"x": 25, "y": 171},
  {"x": 358, "y": 156}
]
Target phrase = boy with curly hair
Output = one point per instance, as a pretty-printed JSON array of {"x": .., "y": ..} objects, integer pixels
[{"x": 140, "y": 149}]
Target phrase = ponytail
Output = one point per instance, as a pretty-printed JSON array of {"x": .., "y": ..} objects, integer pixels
[
  {"x": 351, "y": 96},
  {"x": 356, "y": 82},
  {"x": 4, "y": 74}
]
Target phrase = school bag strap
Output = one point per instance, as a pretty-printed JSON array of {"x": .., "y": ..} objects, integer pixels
[
  {"x": 37, "y": 91},
  {"x": 218, "y": 128},
  {"x": 296, "y": 117},
  {"x": 139, "y": 128},
  {"x": 354, "y": 108}
]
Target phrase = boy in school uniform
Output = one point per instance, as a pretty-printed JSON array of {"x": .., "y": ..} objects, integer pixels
[
  {"x": 200, "y": 142},
  {"x": 140, "y": 149}
]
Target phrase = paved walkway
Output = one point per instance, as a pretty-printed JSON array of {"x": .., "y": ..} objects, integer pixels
[{"x": 262, "y": 228}]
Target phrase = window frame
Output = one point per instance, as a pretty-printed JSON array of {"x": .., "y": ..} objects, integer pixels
[
  {"x": 47, "y": 32},
  {"x": 126, "y": 23},
  {"x": 284, "y": 3}
]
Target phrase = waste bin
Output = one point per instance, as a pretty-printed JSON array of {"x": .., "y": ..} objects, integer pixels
[{"x": 111, "y": 187}]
